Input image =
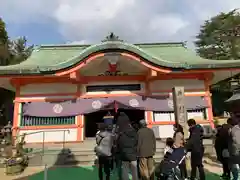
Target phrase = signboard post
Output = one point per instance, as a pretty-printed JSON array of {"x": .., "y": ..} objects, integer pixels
[{"x": 179, "y": 109}]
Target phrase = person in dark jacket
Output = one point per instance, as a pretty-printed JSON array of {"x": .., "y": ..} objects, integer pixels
[
  {"x": 218, "y": 143},
  {"x": 146, "y": 149},
  {"x": 178, "y": 138},
  {"x": 221, "y": 147},
  {"x": 127, "y": 146},
  {"x": 116, "y": 155},
  {"x": 195, "y": 146}
]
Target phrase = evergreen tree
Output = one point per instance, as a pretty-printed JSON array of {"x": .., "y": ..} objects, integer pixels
[
  {"x": 12, "y": 51},
  {"x": 19, "y": 51},
  {"x": 219, "y": 37},
  {"x": 4, "y": 53}
]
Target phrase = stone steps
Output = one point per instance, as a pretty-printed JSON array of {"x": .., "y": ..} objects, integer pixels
[
  {"x": 77, "y": 153},
  {"x": 73, "y": 157}
]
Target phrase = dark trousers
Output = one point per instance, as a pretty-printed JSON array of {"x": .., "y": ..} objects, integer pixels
[
  {"x": 112, "y": 163},
  {"x": 118, "y": 163},
  {"x": 183, "y": 170},
  {"x": 104, "y": 164},
  {"x": 226, "y": 169},
  {"x": 196, "y": 163}
]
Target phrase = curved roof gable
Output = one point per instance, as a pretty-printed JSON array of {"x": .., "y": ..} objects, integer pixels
[{"x": 52, "y": 58}]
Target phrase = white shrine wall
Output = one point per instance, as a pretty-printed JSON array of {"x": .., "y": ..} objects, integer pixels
[
  {"x": 44, "y": 91},
  {"x": 167, "y": 85}
]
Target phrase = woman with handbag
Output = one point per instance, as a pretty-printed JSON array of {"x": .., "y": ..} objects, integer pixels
[{"x": 104, "y": 140}]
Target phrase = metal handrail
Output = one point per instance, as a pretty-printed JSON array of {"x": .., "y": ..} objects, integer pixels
[
  {"x": 43, "y": 141},
  {"x": 25, "y": 134}
]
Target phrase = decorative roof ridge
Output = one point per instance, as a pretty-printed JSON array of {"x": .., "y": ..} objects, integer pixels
[
  {"x": 113, "y": 42},
  {"x": 163, "y": 44},
  {"x": 56, "y": 46}
]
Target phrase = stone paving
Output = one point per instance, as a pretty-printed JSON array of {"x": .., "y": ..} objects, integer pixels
[
  {"x": 36, "y": 173},
  {"x": 28, "y": 172}
]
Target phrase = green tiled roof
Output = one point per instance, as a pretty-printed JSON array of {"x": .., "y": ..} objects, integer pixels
[{"x": 50, "y": 58}]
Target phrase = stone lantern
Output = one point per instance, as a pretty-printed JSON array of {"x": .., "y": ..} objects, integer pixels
[{"x": 8, "y": 133}]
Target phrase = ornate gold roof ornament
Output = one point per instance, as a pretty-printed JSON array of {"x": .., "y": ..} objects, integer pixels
[{"x": 112, "y": 37}]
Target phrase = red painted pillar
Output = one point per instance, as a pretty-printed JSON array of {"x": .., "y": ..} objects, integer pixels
[
  {"x": 80, "y": 122},
  {"x": 115, "y": 107},
  {"x": 209, "y": 101},
  {"x": 149, "y": 118},
  {"x": 16, "y": 119}
]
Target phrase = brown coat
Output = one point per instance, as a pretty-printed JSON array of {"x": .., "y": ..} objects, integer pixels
[
  {"x": 178, "y": 139},
  {"x": 146, "y": 143}
]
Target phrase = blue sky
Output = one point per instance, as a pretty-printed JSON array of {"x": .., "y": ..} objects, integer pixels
[
  {"x": 36, "y": 33},
  {"x": 89, "y": 21}
]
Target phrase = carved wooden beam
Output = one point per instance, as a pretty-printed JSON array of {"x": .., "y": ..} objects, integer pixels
[
  {"x": 74, "y": 75},
  {"x": 151, "y": 74}
]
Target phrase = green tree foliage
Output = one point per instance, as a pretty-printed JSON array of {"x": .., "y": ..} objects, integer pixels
[
  {"x": 12, "y": 51},
  {"x": 3, "y": 33},
  {"x": 4, "y": 53},
  {"x": 19, "y": 51},
  {"x": 219, "y": 37}
]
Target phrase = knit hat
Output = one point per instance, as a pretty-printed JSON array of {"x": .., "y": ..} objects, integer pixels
[{"x": 142, "y": 123}]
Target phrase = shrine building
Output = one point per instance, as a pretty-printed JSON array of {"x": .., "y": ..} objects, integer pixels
[{"x": 71, "y": 87}]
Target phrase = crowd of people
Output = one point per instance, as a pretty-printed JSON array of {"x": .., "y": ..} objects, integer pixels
[
  {"x": 127, "y": 146},
  {"x": 130, "y": 147},
  {"x": 227, "y": 145},
  {"x": 177, "y": 149}
]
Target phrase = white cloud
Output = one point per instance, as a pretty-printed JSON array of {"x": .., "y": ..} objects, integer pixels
[
  {"x": 87, "y": 12},
  {"x": 132, "y": 20},
  {"x": 169, "y": 24},
  {"x": 205, "y": 9}
]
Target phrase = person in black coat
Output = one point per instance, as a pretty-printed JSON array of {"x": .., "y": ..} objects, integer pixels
[
  {"x": 221, "y": 145},
  {"x": 195, "y": 146},
  {"x": 127, "y": 146}
]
